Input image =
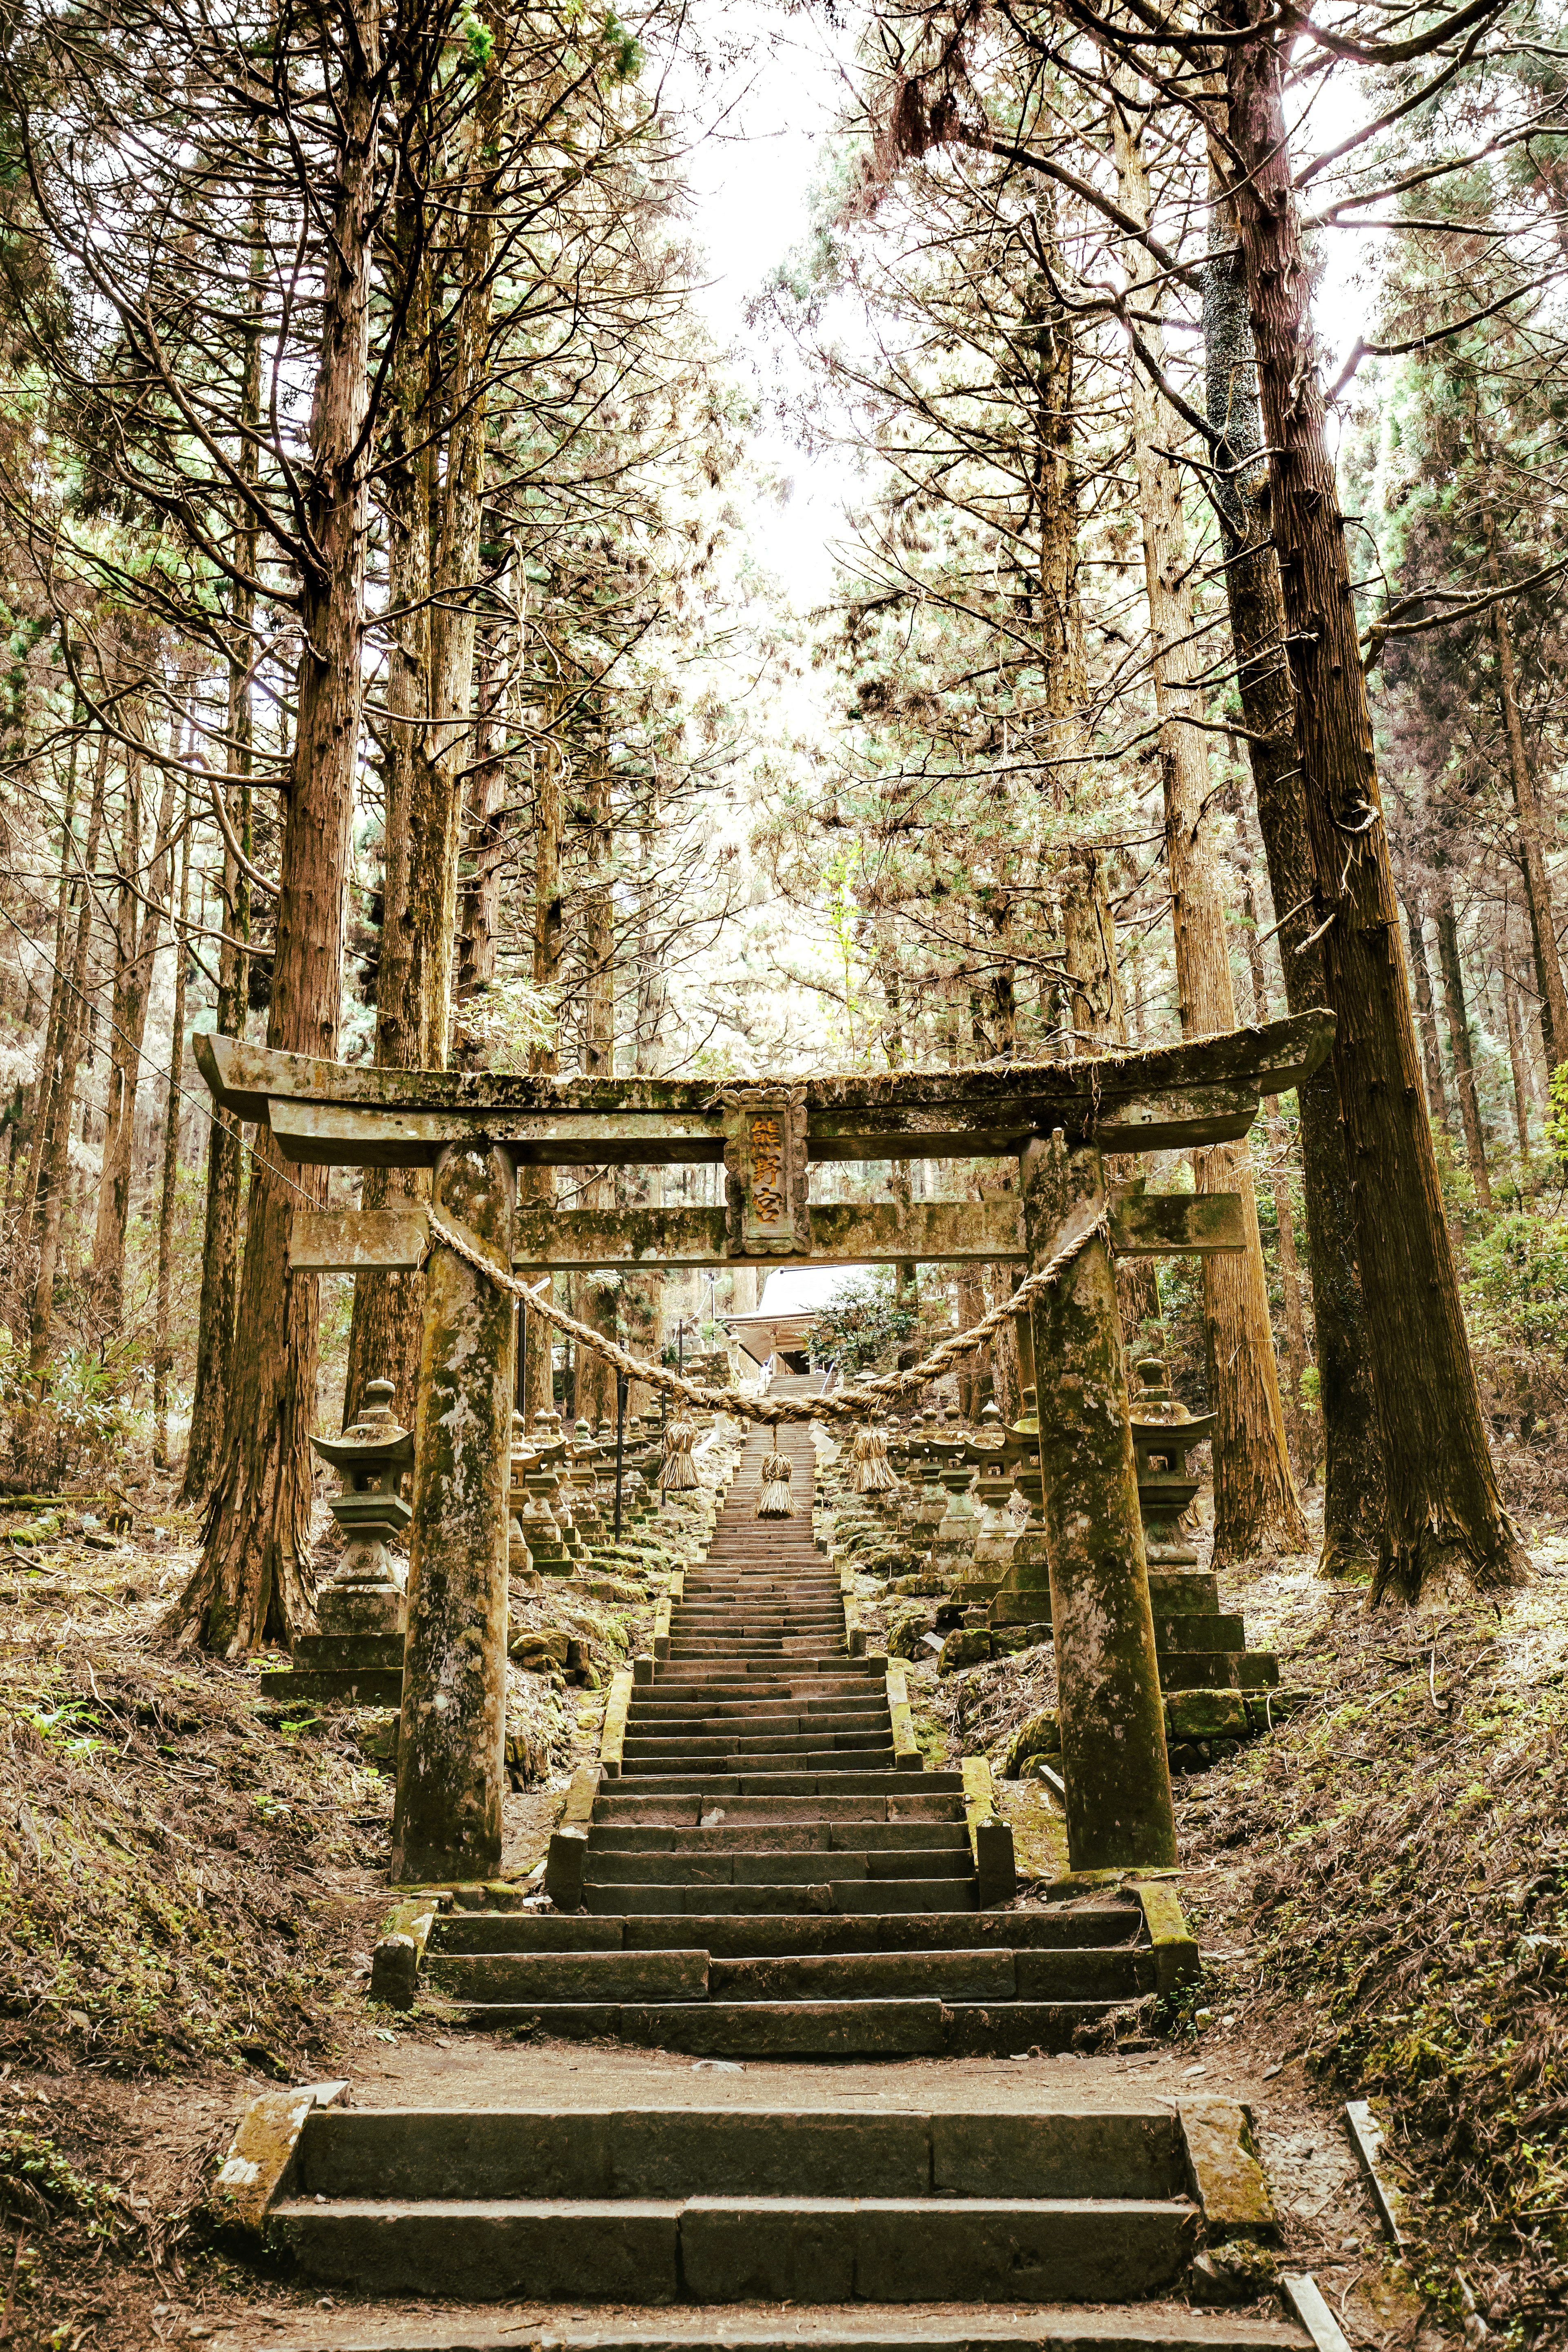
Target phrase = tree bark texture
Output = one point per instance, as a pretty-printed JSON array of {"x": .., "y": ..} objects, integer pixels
[
  {"x": 57, "y": 1027},
  {"x": 1442, "y": 1491},
  {"x": 254, "y": 1578},
  {"x": 56, "y": 1174},
  {"x": 1517, "y": 1059},
  {"x": 220, "y": 1238},
  {"x": 138, "y": 929},
  {"x": 1426, "y": 1015},
  {"x": 1353, "y": 1460},
  {"x": 1256, "y": 1507},
  {"x": 1532, "y": 830},
  {"x": 1461, "y": 1049},
  {"x": 384, "y": 1335},
  {"x": 162, "y": 1347}
]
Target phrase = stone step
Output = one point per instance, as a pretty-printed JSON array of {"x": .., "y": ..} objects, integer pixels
[
  {"x": 819, "y": 1758},
  {"x": 942, "y": 1893},
  {"x": 1192, "y": 1631},
  {"x": 692, "y": 1974},
  {"x": 361, "y": 1686},
  {"x": 621, "y": 1809},
  {"x": 714, "y": 1787},
  {"x": 694, "y": 1744},
  {"x": 773, "y": 1837},
  {"x": 823, "y": 1668},
  {"x": 649, "y": 1702},
  {"x": 1142, "y": 2328},
  {"x": 726, "y": 2248},
  {"x": 966, "y": 2148},
  {"x": 1099, "y": 1928},
  {"x": 751, "y": 1868}
]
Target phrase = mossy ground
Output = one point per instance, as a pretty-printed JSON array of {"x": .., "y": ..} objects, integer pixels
[
  {"x": 190, "y": 1885},
  {"x": 1381, "y": 1888}
]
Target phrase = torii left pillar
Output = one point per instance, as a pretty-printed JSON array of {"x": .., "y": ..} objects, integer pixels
[{"x": 451, "y": 1750}]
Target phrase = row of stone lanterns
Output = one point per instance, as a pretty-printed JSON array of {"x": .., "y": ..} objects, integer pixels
[
  {"x": 967, "y": 1515},
  {"x": 556, "y": 1527}
]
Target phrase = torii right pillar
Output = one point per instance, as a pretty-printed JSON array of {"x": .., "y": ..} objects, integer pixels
[{"x": 1118, "y": 1811}]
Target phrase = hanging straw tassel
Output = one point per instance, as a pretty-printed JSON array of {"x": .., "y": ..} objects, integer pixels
[
  {"x": 879, "y": 1476},
  {"x": 861, "y": 1459},
  {"x": 773, "y": 1502},
  {"x": 677, "y": 1473}
]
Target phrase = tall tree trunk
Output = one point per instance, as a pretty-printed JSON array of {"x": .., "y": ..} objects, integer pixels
[
  {"x": 1089, "y": 943},
  {"x": 1442, "y": 1491},
  {"x": 162, "y": 1349},
  {"x": 420, "y": 902},
  {"x": 254, "y": 1578},
  {"x": 1517, "y": 1059},
  {"x": 1284, "y": 1216},
  {"x": 1353, "y": 1460},
  {"x": 1531, "y": 834},
  {"x": 595, "y": 1380},
  {"x": 1256, "y": 1507},
  {"x": 1460, "y": 1047},
  {"x": 54, "y": 1184},
  {"x": 480, "y": 919},
  {"x": 138, "y": 930},
  {"x": 1426, "y": 1015},
  {"x": 220, "y": 1236},
  {"x": 61, "y": 1018},
  {"x": 384, "y": 1331},
  {"x": 538, "y": 1185}
]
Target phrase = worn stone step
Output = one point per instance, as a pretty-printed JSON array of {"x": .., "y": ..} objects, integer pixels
[
  {"x": 827, "y": 1934},
  {"x": 727, "y": 2249},
  {"x": 591, "y": 1976},
  {"x": 1198, "y": 1669},
  {"x": 754, "y": 1743},
  {"x": 802, "y": 2030},
  {"x": 912, "y": 1803},
  {"x": 361, "y": 1687},
  {"x": 860, "y": 1894},
  {"x": 835, "y": 1781},
  {"x": 820, "y": 1757},
  {"x": 824, "y": 1669},
  {"x": 1150, "y": 2326},
  {"x": 831, "y": 1715},
  {"x": 356, "y": 1652},
  {"x": 830, "y": 1708},
  {"x": 796, "y": 1934},
  {"x": 1192, "y": 1631},
  {"x": 775, "y": 1837},
  {"x": 965, "y": 2147},
  {"x": 751, "y": 1867}
]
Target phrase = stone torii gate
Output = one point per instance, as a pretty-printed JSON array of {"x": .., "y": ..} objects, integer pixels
[{"x": 473, "y": 1131}]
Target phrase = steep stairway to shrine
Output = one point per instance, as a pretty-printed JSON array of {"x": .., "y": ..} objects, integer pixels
[{"x": 772, "y": 1872}]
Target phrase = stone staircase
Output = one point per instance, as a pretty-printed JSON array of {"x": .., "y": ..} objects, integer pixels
[
  {"x": 766, "y": 1869},
  {"x": 765, "y": 1873},
  {"x": 736, "y": 2205}
]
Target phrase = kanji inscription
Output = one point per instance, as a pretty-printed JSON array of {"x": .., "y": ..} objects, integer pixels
[{"x": 764, "y": 1159}]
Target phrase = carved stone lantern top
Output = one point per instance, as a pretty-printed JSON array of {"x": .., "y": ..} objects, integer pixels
[
  {"x": 374, "y": 1453},
  {"x": 364, "y": 1594}
]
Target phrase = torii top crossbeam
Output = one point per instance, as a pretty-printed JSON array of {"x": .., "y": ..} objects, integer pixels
[{"x": 1163, "y": 1098}]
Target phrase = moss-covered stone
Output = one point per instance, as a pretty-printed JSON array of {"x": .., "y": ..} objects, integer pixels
[{"x": 1038, "y": 1735}]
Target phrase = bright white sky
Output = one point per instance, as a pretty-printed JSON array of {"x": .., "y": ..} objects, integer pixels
[{"x": 749, "y": 179}]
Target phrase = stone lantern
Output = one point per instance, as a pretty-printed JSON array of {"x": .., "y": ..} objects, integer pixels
[
  {"x": 365, "y": 1595},
  {"x": 357, "y": 1656},
  {"x": 1164, "y": 1433}
]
